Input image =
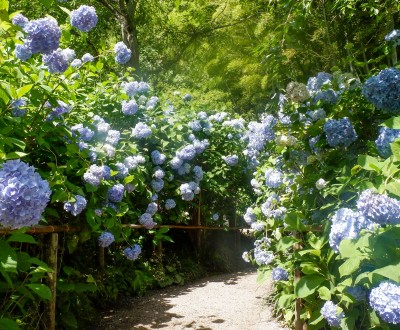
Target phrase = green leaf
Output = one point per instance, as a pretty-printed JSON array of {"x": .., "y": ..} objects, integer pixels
[
  {"x": 307, "y": 285},
  {"x": 390, "y": 272},
  {"x": 8, "y": 324},
  {"x": 65, "y": 10},
  {"x": 47, "y": 3},
  {"x": 16, "y": 155},
  {"x": 324, "y": 293},
  {"x": 23, "y": 90},
  {"x": 394, "y": 188},
  {"x": 8, "y": 257},
  {"x": 41, "y": 290},
  {"x": 4, "y": 5},
  {"x": 395, "y": 147},
  {"x": 12, "y": 141},
  {"x": 393, "y": 123},
  {"x": 349, "y": 266},
  {"x": 22, "y": 238},
  {"x": 286, "y": 243},
  {"x": 370, "y": 163}
]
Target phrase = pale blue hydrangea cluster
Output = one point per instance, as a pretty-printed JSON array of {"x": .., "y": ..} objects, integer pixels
[
  {"x": 218, "y": 117},
  {"x": 271, "y": 210},
  {"x": 326, "y": 96},
  {"x": 320, "y": 184},
  {"x": 69, "y": 54},
  {"x": 76, "y": 207},
  {"x": 383, "y": 90},
  {"x": 43, "y": 35},
  {"x": 198, "y": 173},
  {"x": 347, "y": 224},
  {"x": 132, "y": 88},
  {"x": 129, "y": 108},
  {"x": 106, "y": 239},
  {"x": 188, "y": 152},
  {"x": 394, "y": 37},
  {"x": 279, "y": 274},
  {"x": 236, "y": 123},
  {"x": 59, "y": 111},
  {"x": 330, "y": 313},
  {"x": 24, "y": 195},
  {"x": 20, "y": 20},
  {"x": 231, "y": 160},
  {"x": 312, "y": 143},
  {"x": 132, "y": 252},
  {"x": 123, "y": 171},
  {"x": 188, "y": 190},
  {"x": 141, "y": 131},
  {"x": 385, "y": 300},
  {"x": 257, "y": 226},
  {"x": 122, "y": 53},
  {"x": 386, "y": 136},
  {"x": 84, "y": 18},
  {"x": 340, "y": 132},
  {"x": 246, "y": 256},
  {"x": 157, "y": 184},
  {"x": 129, "y": 187},
  {"x": 87, "y": 58},
  {"x": 316, "y": 115},
  {"x": 94, "y": 175},
  {"x": 215, "y": 216},
  {"x": 379, "y": 208},
  {"x": 157, "y": 157},
  {"x": 113, "y": 137},
  {"x": 273, "y": 178},
  {"x": 132, "y": 162},
  {"x": 146, "y": 220},
  {"x": 195, "y": 125},
  {"x": 85, "y": 133},
  {"x": 249, "y": 216},
  {"x": 76, "y": 63},
  {"x": 170, "y": 204},
  {"x": 152, "y": 208},
  {"x": 18, "y": 107},
  {"x": 151, "y": 103},
  {"x": 315, "y": 84},
  {"x": 22, "y": 52},
  {"x": 187, "y": 97},
  {"x": 116, "y": 193},
  {"x": 158, "y": 173},
  {"x": 263, "y": 257}
]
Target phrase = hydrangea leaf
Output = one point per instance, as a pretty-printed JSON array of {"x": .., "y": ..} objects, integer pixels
[
  {"x": 390, "y": 272},
  {"x": 42, "y": 290},
  {"x": 307, "y": 285}
]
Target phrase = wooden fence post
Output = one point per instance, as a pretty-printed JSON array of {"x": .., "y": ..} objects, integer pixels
[{"x": 52, "y": 262}]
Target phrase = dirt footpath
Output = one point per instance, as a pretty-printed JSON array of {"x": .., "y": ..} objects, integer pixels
[{"x": 230, "y": 301}]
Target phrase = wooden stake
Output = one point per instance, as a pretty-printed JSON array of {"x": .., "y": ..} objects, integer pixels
[{"x": 52, "y": 262}]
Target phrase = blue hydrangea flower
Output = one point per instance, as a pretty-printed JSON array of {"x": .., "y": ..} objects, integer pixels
[
  {"x": 157, "y": 184},
  {"x": 170, "y": 204},
  {"x": 146, "y": 220},
  {"x": 187, "y": 97},
  {"x": 43, "y": 35},
  {"x": 330, "y": 313},
  {"x": 358, "y": 292},
  {"x": 24, "y": 195},
  {"x": 133, "y": 252},
  {"x": 106, "y": 239},
  {"x": 257, "y": 226},
  {"x": 280, "y": 274},
  {"x": 385, "y": 300},
  {"x": 152, "y": 208},
  {"x": 113, "y": 137},
  {"x": 129, "y": 187},
  {"x": 379, "y": 208},
  {"x": 246, "y": 256},
  {"x": 340, "y": 132},
  {"x": 123, "y": 171},
  {"x": 85, "y": 133},
  {"x": 122, "y": 53},
  {"x": 151, "y": 103},
  {"x": 263, "y": 257},
  {"x": 141, "y": 131},
  {"x": 130, "y": 88},
  {"x": 116, "y": 193},
  {"x": 58, "y": 111},
  {"x": 94, "y": 175},
  {"x": 87, "y": 58},
  {"x": 195, "y": 126},
  {"x": 20, "y": 20},
  {"x": 157, "y": 157},
  {"x": 84, "y": 18},
  {"x": 383, "y": 90},
  {"x": 188, "y": 152},
  {"x": 16, "y": 105},
  {"x": 231, "y": 160},
  {"x": 273, "y": 178},
  {"x": 393, "y": 36},
  {"x": 130, "y": 162},
  {"x": 327, "y": 96},
  {"x": 76, "y": 63},
  {"x": 198, "y": 172},
  {"x": 386, "y": 136},
  {"x": 314, "y": 84},
  {"x": 129, "y": 108},
  {"x": 249, "y": 216},
  {"x": 109, "y": 150},
  {"x": 158, "y": 173},
  {"x": 215, "y": 216},
  {"x": 69, "y": 54},
  {"x": 176, "y": 163},
  {"x": 347, "y": 224},
  {"x": 200, "y": 146},
  {"x": 76, "y": 207},
  {"x": 22, "y": 52},
  {"x": 186, "y": 192}
]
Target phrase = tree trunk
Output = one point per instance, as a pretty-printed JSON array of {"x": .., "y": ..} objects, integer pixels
[{"x": 129, "y": 32}]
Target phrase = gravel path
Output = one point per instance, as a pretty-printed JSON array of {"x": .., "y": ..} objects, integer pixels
[{"x": 230, "y": 301}]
